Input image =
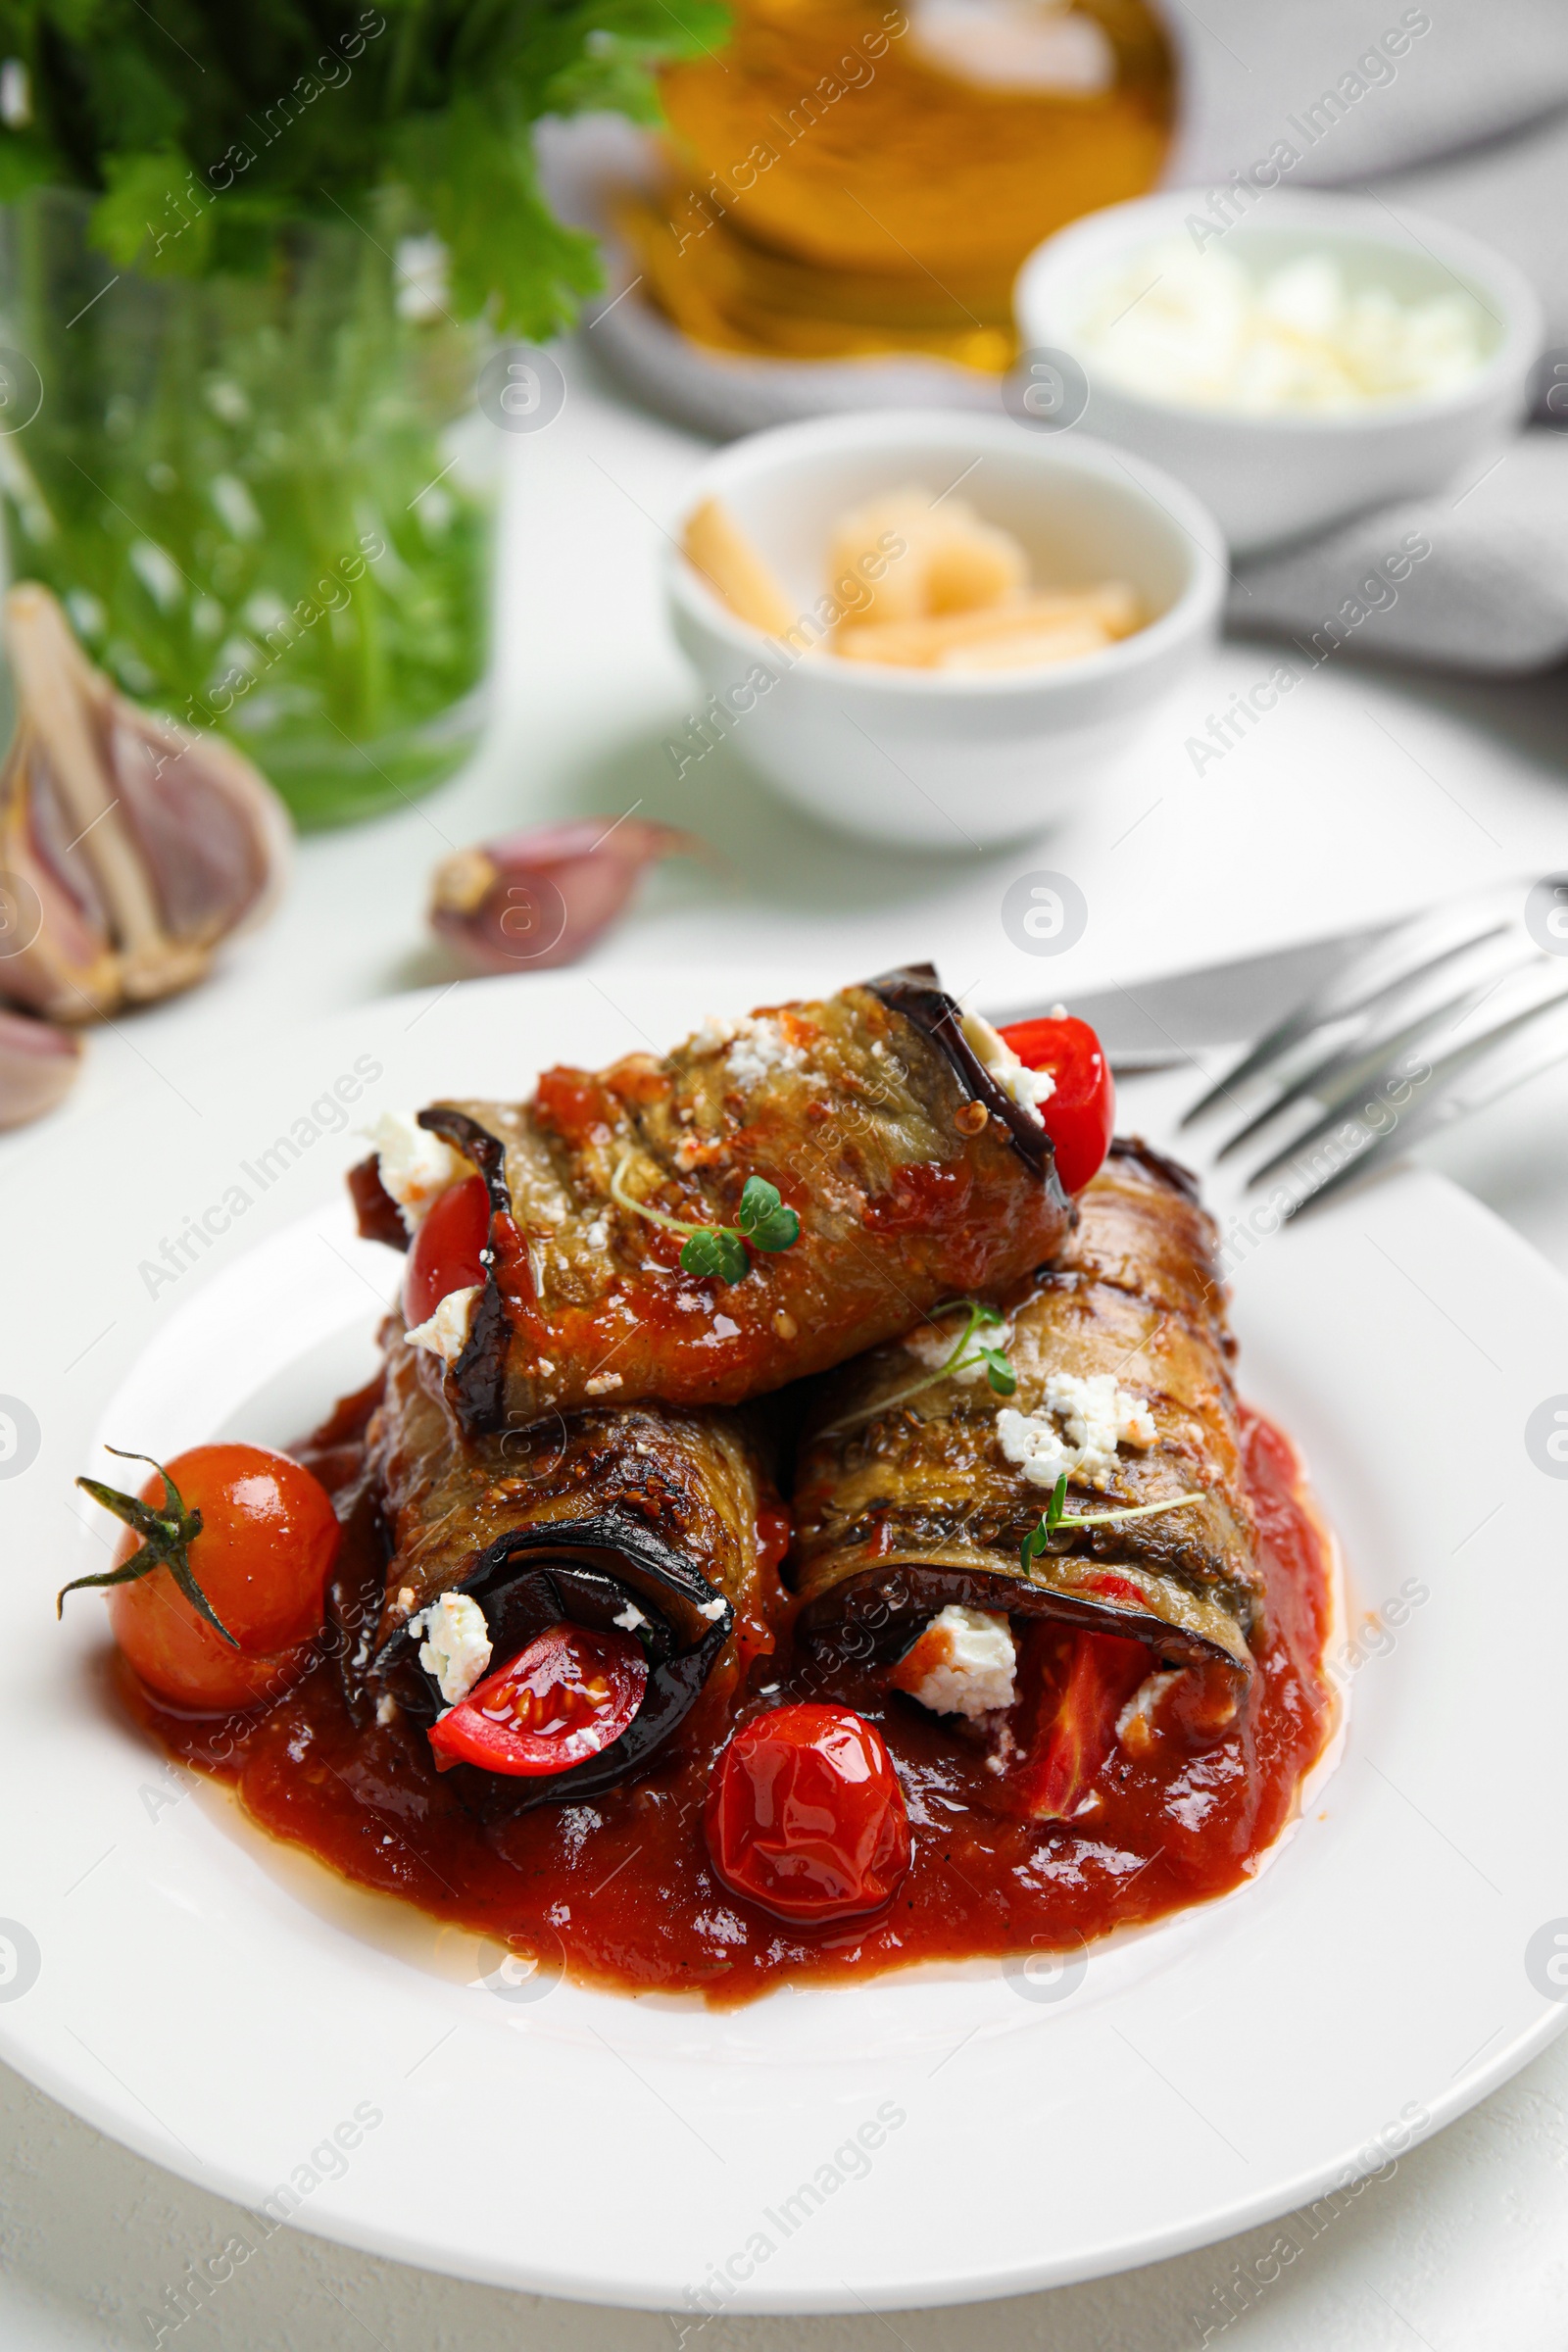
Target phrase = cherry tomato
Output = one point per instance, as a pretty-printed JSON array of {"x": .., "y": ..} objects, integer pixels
[
  {"x": 562, "y": 1700},
  {"x": 269, "y": 1541},
  {"x": 1072, "y": 1687},
  {"x": 1082, "y": 1112},
  {"x": 445, "y": 1255},
  {"x": 805, "y": 1816}
]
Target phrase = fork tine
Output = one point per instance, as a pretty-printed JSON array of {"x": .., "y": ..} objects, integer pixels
[
  {"x": 1365, "y": 980},
  {"x": 1356, "y": 1074},
  {"x": 1446, "y": 1098}
]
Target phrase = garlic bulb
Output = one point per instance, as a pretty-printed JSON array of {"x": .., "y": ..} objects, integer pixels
[
  {"x": 129, "y": 847},
  {"x": 539, "y": 899},
  {"x": 39, "y": 1067}
]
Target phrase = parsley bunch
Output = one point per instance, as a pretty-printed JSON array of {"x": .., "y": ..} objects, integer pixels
[{"x": 207, "y": 130}]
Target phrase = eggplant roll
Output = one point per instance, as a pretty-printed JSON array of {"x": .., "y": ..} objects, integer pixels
[
  {"x": 905, "y": 1502},
  {"x": 901, "y": 1131},
  {"x": 638, "y": 1516}
]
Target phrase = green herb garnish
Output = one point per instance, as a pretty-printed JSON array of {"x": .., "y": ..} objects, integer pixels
[
  {"x": 167, "y": 1536},
  {"x": 720, "y": 1250},
  {"x": 966, "y": 1354},
  {"x": 1056, "y": 1514},
  {"x": 207, "y": 133}
]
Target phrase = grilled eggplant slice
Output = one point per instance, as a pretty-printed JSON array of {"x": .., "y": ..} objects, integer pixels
[
  {"x": 913, "y": 1170},
  {"x": 574, "y": 1518},
  {"x": 905, "y": 1503}
]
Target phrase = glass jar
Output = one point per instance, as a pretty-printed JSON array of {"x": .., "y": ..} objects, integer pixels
[
  {"x": 850, "y": 176},
  {"x": 239, "y": 489}
]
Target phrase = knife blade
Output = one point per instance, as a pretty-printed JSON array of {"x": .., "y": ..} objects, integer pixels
[{"x": 1154, "y": 1023}]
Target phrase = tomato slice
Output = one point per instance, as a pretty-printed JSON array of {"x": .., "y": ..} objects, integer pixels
[
  {"x": 560, "y": 1701},
  {"x": 805, "y": 1816},
  {"x": 1081, "y": 1114},
  {"x": 445, "y": 1255},
  {"x": 1072, "y": 1687}
]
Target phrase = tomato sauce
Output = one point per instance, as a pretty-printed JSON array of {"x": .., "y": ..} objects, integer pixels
[{"x": 618, "y": 1888}]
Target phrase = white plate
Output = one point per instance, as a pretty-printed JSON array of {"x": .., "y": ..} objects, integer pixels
[{"x": 223, "y": 2007}]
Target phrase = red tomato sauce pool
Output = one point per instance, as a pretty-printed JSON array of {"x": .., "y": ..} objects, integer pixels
[{"x": 618, "y": 1886}]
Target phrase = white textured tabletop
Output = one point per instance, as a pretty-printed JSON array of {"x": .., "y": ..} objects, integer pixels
[{"x": 1367, "y": 790}]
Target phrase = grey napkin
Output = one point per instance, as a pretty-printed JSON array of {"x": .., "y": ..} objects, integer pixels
[
  {"x": 1458, "y": 108},
  {"x": 1475, "y": 578}
]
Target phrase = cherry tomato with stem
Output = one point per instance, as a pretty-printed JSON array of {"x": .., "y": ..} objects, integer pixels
[
  {"x": 1081, "y": 1113},
  {"x": 560, "y": 1701},
  {"x": 445, "y": 1253},
  {"x": 805, "y": 1814},
  {"x": 218, "y": 1587}
]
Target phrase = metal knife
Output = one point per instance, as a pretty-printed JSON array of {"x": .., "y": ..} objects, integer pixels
[{"x": 1153, "y": 1025}]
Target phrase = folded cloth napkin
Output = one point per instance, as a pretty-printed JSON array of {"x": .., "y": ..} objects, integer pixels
[
  {"x": 1475, "y": 578},
  {"x": 1406, "y": 85},
  {"x": 1458, "y": 108}
]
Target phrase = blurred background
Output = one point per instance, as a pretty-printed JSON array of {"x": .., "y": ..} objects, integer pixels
[{"x": 423, "y": 425}]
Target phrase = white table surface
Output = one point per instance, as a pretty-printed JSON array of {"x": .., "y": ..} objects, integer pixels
[{"x": 1365, "y": 792}]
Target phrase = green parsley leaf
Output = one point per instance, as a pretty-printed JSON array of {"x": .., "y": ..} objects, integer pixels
[{"x": 715, "y": 1252}]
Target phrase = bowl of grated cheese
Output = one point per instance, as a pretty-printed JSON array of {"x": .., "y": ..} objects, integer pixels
[{"x": 1321, "y": 356}]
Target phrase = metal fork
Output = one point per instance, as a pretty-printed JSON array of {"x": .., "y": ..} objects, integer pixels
[{"x": 1436, "y": 1019}]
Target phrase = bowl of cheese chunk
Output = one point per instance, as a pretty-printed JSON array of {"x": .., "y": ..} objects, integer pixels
[{"x": 1293, "y": 356}]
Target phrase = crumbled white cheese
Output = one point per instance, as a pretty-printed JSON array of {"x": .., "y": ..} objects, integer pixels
[
  {"x": 1214, "y": 331},
  {"x": 446, "y": 1332},
  {"x": 965, "y": 1664},
  {"x": 1133, "y": 1724},
  {"x": 629, "y": 1618},
  {"x": 414, "y": 1165},
  {"x": 602, "y": 1384},
  {"x": 760, "y": 1049},
  {"x": 386, "y": 1709},
  {"x": 1097, "y": 1418},
  {"x": 713, "y": 1037},
  {"x": 456, "y": 1644},
  {"x": 712, "y": 1609},
  {"x": 931, "y": 1344},
  {"x": 597, "y": 1235},
  {"x": 1028, "y": 1088}
]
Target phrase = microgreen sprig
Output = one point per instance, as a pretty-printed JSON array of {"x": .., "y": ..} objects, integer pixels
[
  {"x": 966, "y": 1354},
  {"x": 1056, "y": 1514},
  {"x": 720, "y": 1250},
  {"x": 167, "y": 1536}
]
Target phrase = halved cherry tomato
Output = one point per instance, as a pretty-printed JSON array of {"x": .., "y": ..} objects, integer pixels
[
  {"x": 445, "y": 1255},
  {"x": 1071, "y": 1687},
  {"x": 269, "y": 1541},
  {"x": 1082, "y": 1112},
  {"x": 805, "y": 1814},
  {"x": 560, "y": 1701}
]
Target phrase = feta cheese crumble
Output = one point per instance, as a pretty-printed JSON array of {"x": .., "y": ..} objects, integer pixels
[
  {"x": 414, "y": 1165},
  {"x": 1209, "y": 330},
  {"x": 712, "y": 1609},
  {"x": 446, "y": 1332},
  {"x": 965, "y": 1664},
  {"x": 456, "y": 1644},
  {"x": 629, "y": 1618},
  {"x": 931, "y": 1344},
  {"x": 1028, "y": 1088},
  {"x": 1097, "y": 1416},
  {"x": 758, "y": 1050},
  {"x": 1135, "y": 1725}
]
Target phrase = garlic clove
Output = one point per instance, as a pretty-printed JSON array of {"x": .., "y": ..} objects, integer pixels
[
  {"x": 540, "y": 899},
  {"x": 129, "y": 847},
  {"x": 39, "y": 1067}
]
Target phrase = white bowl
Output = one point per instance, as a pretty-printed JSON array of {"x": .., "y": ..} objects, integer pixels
[
  {"x": 1277, "y": 478},
  {"x": 918, "y": 756}
]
